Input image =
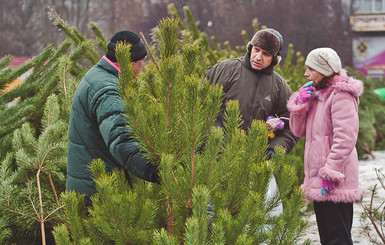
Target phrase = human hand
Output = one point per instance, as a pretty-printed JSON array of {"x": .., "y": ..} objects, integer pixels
[
  {"x": 269, "y": 154},
  {"x": 155, "y": 176},
  {"x": 305, "y": 92},
  {"x": 327, "y": 186}
]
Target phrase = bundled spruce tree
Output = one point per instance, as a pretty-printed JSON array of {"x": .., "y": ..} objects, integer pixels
[
  {"x": 214, "y": 181},
  {"x": 33, "y": 135},
  {"x": 29, "y": 192},
  {"x": 54, "y": 70}
]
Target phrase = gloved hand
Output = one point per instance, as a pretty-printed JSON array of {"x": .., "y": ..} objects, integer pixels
[
  {"x": 155, "y": 178},
  {"x": 327, "y": 186},
  {"x": 305, "y": 92},
  {"x": 269, "y": 154}
]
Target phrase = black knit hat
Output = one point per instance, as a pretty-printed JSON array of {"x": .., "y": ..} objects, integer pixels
[{"x": 138, "y": 49}]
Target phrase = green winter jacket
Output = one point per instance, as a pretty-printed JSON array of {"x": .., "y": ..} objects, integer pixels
[
  {"x": 260, "y": 94},
  {"x": 97, "y": 129}
]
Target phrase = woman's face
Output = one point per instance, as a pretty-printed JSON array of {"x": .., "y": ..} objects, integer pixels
[{"x": 313, "y": 75}]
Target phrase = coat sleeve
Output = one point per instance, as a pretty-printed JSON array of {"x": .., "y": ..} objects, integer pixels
[
  {"x": 222, "y": 74},
  {"x": 284, "y": 137},
  {"x": 345, "y": 123},
  {"x": 298, "y": 115},
  {"x": 117, "y": 136}
]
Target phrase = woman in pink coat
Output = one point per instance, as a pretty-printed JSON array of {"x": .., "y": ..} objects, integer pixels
[{"x": 325, "y": 111}]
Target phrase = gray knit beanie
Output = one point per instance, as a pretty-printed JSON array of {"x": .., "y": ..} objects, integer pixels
[{"x": 324, "y": 60}]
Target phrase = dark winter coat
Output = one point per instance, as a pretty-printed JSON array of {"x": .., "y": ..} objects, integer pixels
[
  {"x": 329, "y": 121},
  {"x": 260, "y": 94},
  {"x": 97, "y": 129}
]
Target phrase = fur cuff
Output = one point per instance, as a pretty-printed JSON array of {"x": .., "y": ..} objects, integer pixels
[
  {"x": 292, "y": 105},
  {"x": 331, "y": 175},
  {"x": 336, "y": 195}
]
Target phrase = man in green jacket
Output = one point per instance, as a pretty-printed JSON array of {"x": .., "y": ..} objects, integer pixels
[
  {"x": 252, "y": 81},
  {"x": 97, "y": 128}
]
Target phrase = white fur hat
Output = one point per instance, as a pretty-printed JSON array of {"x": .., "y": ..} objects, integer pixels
[{"x": 324, "y": 60}]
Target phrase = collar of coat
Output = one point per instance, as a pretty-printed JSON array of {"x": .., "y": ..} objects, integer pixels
[
  {"x": 107, "y": 66},
  {"x": 245, "y": 60},
  {"x": 341, "y": 83}
]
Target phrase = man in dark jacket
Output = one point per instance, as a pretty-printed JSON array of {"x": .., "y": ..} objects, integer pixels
[
  {"x": 97, "y": 127},
  {"x": 252, "y": 81}
]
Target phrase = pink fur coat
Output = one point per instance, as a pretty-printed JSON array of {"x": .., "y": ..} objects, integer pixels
[{"x": 329, "y": 121}]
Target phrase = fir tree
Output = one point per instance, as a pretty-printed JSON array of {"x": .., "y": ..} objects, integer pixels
[
  {"x": 30, "y": 186},
  {"x": 32, "y": 181},
  {"x": 52, "y": 71}
]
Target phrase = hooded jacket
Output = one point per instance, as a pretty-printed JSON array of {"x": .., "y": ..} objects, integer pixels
[
  {"x": 329, "y": 121},
  {"x": 97, "y": 130},
  {"x": 260, "y": 94}
]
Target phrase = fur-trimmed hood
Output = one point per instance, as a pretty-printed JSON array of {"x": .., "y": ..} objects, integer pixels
[{"x": 342, "y": 82}]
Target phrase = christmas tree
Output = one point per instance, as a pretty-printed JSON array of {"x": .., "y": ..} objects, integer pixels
[
  {"x": 31, "y": 185},
  {"x": 214, "y": 181},
  {"x": 52, "y": 71},
  {"x": 34, "y": 135}
]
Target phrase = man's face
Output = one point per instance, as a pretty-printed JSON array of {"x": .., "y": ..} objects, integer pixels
[
  {"x": 260, "y": 58},
  {"x": 138, "y": 66}
]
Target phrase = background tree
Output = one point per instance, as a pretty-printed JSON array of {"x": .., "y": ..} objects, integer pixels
[
  {"x": 374, "y": 215},
  {"x": 25, "y": 29}
]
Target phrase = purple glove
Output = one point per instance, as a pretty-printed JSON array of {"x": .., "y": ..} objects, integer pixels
[
  {"x": 305, "y": 92},
  {"x": 327, "y": 186}
]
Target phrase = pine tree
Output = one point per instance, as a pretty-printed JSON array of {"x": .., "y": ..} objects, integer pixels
[
  {"x": 121, "y": 213},
  {"x": 171, "y": 111}
]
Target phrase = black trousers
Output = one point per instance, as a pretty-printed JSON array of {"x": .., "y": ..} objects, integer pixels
[{"x": 334, "y": 222}]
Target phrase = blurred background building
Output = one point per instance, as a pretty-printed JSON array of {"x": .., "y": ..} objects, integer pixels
[{"x": 367, "y": 21}]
